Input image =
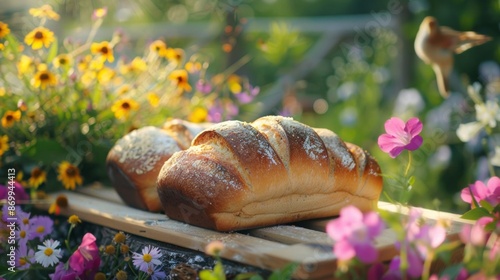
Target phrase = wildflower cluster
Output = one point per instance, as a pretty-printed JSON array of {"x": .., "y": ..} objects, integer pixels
[
  {"x": 40, "y": 255},
  {"x": 64, "y": 102},
  {"x": 420, "y": 242}
]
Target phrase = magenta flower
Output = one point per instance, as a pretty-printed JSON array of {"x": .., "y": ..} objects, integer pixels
[
  {"x": 400, "y": 136},
  {"x": 354, "y": 234},
  {"x": 85, "y": 260},
  {"x": 203, "y": 86},
  {"x": 19, "y": 192},
  {"x": 247, "y": 96},
  {"x": 489, "y": 192},
  {"x": 476, "y": 234}
]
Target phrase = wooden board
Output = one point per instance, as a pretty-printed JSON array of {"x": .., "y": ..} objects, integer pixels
[{"x": 270, "y": 248}]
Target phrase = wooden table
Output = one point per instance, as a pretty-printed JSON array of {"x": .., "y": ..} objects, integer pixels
[{"x": 270, "y": 248}]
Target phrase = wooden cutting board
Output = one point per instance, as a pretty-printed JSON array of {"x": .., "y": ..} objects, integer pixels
[{"x": 271, "y": 248}]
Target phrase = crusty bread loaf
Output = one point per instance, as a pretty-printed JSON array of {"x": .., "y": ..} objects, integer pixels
[
  {"x": 135, "y": 160},
  {"x": 239, "y": 175}
]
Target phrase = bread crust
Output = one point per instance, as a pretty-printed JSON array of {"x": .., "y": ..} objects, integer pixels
[
  {"x": 239, "y": 175},
  {"x": 135, "y": 160}
]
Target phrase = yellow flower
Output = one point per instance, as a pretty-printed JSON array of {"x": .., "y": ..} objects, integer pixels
[
  {"x": 39, "y": 37},
  {"x": 105, "y": 75},
  {"x": 4, "y": 144},
  {"x": 120, "y": 237},
  {"x": 137, "y": 65},
  {"x": 25, "y": 65},
  {"x": 74, "y": 219},
  {"x": 234, "y": 83},
  {"x": 38, "y": 176},
  {"x": 2, "y": 91},
  {"x": 123, "y": 89},
  {"x": 4, "y": 29},
  {"x": 43, "y": 78},
  {"x": 69, "y": 175},
  {"x": 192, "y": 66},
  {"x": 44, "y": 11},
  {"x": 88, "y": 77},
  {"x": 10, "y": 117},
  {"x": 2, "y": 47},
  {"x": 83, "y": 63},
  {"x": 180, "y": 78},
  {"x": 62, "y": 60},
  {"x": 104, "y": 49},
  {"x": 60, "y": 202},
  {"x": 99, "y": 13},
  {"x": 153, "y": 99},
  {"x": 198, "y": 115},
  {"x": 159, "y": 47},
  {"x": 122, "y": 108},
  {"x": 175, "y": 55}
]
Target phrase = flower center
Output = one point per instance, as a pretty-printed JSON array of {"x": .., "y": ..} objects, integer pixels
[
  {"x": 9, "y": 118},
  {"x": 125, "y": 105},
  {"x": 22, "y": 261},
  {"x": 26, "y": 221},
  {"x": 48, "y": 252},
  {"x": 71, "y": 172},
  {"x": 180, "y": 80},
  {"x": 404, "y": 137},
  {"x": 147, "y": 258},
  {"x": 36, "y": 173},
  {"x": 40, "y": 229},
  {"x": 104, "y": 50},
  {"x": 22, "y": 233},
  {"x": 38, "y": 35},
  {"x": 44, "y": 76}
]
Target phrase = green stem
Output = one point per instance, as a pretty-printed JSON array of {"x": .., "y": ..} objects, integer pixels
[
  {"x": 427, "y": 266},
  {"x": 409, "y": 163}
]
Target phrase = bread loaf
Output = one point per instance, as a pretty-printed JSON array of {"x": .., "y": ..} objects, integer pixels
[
  {"x": 134, "y": 162},
  {"x": 239, "y": 175}
]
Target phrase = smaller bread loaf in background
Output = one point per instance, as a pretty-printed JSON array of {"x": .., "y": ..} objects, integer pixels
[
  {"x": 135, "y": 160},
  {"x": 239, "y": 175}
]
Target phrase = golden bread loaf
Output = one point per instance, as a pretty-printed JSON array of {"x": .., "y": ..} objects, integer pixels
[
  {"x": 239, "y": 175},
  {"x": 135, "y": 160}
]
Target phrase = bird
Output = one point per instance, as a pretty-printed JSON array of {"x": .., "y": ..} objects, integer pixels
[{"x": 436, "y": 45}]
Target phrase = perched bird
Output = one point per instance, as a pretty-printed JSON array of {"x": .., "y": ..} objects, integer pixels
[{"x": 436, "y": 45}]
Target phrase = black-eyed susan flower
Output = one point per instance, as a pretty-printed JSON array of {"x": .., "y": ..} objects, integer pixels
[
  {"x": 44, "y": 11},
  {"x": 105, "y": 75},
  {"x": 104, "y": 49},
  {"x": 69, "y": 175},
  {"x": 61, "y": 202},
  {"x": 43, "y": 78},
  {"x": 4, "y": 29},
  {"x": 176, "y": 55},
  {"x": 38, "y": 177},
  {"x": 159, "y": 47},
  {"x": 25, "y": 65},
  {"x": 180, "y": 79},
  {"x": 123, "y": 107},
  {"x": 62, "y": 61},
  {"x": 10, "y": 117},
  {"x": 4, "y": 144},
  {"x": 39, "y": 37}
]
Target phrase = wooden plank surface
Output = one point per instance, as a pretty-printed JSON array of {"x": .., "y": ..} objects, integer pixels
[{"x": 271, "y": 248}]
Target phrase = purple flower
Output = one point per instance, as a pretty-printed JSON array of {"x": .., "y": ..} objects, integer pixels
[
  {"x": 222, "y": 111},
  {"x": 203, "y": 86},
  {"x": 85, "y": 260},
  {"x": 63, "y": 272},
  {"x": 150, "y": 257},
  {"x": 41, "y": 226},
  {"x": 354, "y": 234},
  {"x": 156, "y": 273},
  {"x": 245, "y": 97},
  {"x": 400, "y": 136},
  {"x": 489, "y": 192},
  {"x": 24, "y": 256},
  {"x": 19, "y": 192}
]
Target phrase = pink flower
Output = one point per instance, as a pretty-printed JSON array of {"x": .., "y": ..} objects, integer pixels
[
  {"x": 400, "y": 136},
  {"x": 476, "y": 234},
  {"x": 489, "y": 192},
  {"x": 63, "y": 273},
  {"x": 85, "y": 260},
  {"x": 354, "y": 234}
]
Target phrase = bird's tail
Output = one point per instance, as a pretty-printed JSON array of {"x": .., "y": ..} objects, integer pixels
[
  {"x": 442, "y": 76},
  {"x": 469, "y": 40}
]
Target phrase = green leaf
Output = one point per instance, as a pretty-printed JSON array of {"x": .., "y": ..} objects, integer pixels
[
  {"x": 475, "y": 214},
  {"x": 219, "y": 271},
  {"x": 207, "y": 275},
  {"x": 452, "y": 271},
  {"x": 52, "y": 51},
  {"x": 284, "y": 273},
  {"x": 486, "y": 205},
  {"x": 411, "y": 181},
  {"x": 13, "y": 43}
]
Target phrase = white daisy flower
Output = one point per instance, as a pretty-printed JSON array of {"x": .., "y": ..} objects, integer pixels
[
  {"x": 48, "y": 254},
  {"x": 150, "y": 257}
]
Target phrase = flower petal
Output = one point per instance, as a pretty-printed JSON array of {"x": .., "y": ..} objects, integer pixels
[
  {"x": 396, "y": 151},
  {"x": 366, "y": 252},
  {"x": 344, "y": 250},
  {"x": 388, "y": 142},
  {"x": 414, "y": 126},
  {"x": 467, "y": 131},
  {"x": 394, "y": 126},
  {"x": 415, "y": 143}
]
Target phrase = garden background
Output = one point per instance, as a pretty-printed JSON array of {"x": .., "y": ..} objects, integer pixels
[{"x": 344, "y": 65}]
